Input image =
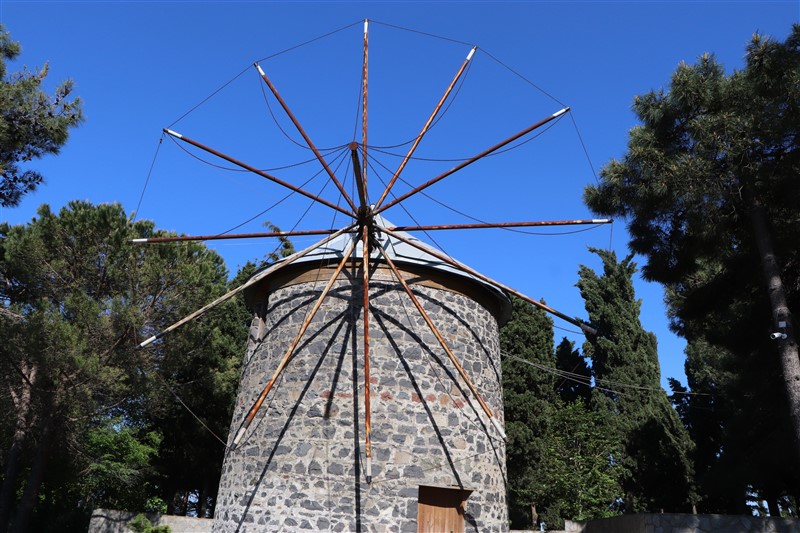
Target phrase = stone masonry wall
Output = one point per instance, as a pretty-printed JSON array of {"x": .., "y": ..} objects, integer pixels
[
  {"x": 300, "y": 466},
  {"x": 110, "y": 521}
]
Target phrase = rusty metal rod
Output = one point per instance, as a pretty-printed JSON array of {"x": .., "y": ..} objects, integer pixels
[
  {"x": 254, "y": 279},
  {"x": 284, "y": 361},
  {"x": 482, "y": 225},
  {"x": 452, "y": 262},
  {"x": 472, "y": 160},
  {"x": 425, "y": 128},
  {"x": 298, "y": 233},
  {"x": 305, "y": 136},
  {"x": 367, "y": 409},
  {"x": 443, "y": 343},
  {"x": 257, "y": 171},
  {"x": 365, "y": 83}
]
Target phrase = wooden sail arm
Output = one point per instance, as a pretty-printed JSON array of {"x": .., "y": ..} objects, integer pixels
[
  {"x": 485, "y": 225},
  {"x": 365, "y": 253},
  {"x": 426, "y": 127},
  {"x": 472, "y": 160},
  {"x": 302, "y": 132},
  {"x": 464, "y": 268},
  {"x": 254, "y": 279},
  {"x": 443, "y": 343},
  {"x": 286, "y": 356},
  {"x": 364, "y": 94},
  {"x": 256, "y": 171},
  {"x": 298, "y": 233}
]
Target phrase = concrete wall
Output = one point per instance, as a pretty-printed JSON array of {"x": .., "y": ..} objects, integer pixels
[
  {"x": 109, "y": 521},
  {"x": 685, "y": 523},
  {"x": 301, "y": 465}
]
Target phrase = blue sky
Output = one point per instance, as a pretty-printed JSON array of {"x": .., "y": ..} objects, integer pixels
[{"x": 140, "y": 66}]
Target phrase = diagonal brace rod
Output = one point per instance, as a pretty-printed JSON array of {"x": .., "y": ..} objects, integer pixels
[
  {"x": 443, "y": 343},
  {"x": 305, "y": 136},
  {"x": 452, "y": 262},
  {"x": 255, "y": 170},
  {"x": 473, "y": 159},
  {"x": 283, "y": 362}
]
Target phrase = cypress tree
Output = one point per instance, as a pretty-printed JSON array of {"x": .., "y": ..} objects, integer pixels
[
  {"x": 528, "y": 395},
  {"x": 656, "y": 470}
]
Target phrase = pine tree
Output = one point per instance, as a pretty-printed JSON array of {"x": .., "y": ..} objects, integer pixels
[
  {"x": 710, "y": 192},
  {"x": 655, "y": 449},
  {"x": 77, "y": 297},
  {"x": 32, "y": 123}
]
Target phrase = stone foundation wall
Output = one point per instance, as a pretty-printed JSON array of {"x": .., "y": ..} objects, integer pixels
[
  {"x": 109, "y": 521},
  {"x": 301, "y": 465}
]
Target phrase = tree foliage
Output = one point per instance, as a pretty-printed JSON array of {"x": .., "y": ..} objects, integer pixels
[
  {"x": 528, "y": 395},
  {"x": 655, "y": 450},
  {"x": 32, "y": 123},
  {"x": 92, "y": 417},
  {"x": 709, "y": 189},
  {"x": 577, "y": 475}
]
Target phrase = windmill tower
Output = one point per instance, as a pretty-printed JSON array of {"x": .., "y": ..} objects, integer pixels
[
  {"x": 371, "y": 395},
  {"x": 376, "y": 433}
]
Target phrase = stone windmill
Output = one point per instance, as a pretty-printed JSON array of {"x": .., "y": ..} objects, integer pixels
[{"x": 371, "y": 394}]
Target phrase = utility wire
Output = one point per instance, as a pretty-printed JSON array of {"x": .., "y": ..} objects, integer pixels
[{"x": 586, "y": 380}]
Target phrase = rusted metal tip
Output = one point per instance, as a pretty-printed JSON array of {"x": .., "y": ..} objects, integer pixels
[{"x": 353, "y": 145}]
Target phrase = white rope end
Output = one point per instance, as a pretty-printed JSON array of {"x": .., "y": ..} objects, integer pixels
[
  {"x": 559, "y": 113},
  {"x": 139, "y": 240},
  {"x": 173, "y": 133},
  {"x": 369, "y": 470},
  {"x": 366, "y": 26},
  {"x": 499, "y": 429},
  {"x": 471, "y": 53},
  {"x": 260, "y": 70},
  {"x": 148, "y": 341},
  {"x": 238, "y": 437}
]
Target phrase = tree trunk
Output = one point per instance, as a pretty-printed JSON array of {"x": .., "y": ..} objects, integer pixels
[
  {"x": 22, "y": 404},
  {"x": 786, "y": 347},
  {"x": 772, "y": 506},
  {"x": 28, "y": 500}
]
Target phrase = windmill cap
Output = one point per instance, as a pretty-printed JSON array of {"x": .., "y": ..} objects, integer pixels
[{"x": 407, "y": 257}]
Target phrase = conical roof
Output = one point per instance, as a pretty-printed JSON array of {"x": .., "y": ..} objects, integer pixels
[{"x": 403, "y": 254}]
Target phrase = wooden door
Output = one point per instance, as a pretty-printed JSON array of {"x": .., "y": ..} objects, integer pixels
[{"x": 441, "y": 509}]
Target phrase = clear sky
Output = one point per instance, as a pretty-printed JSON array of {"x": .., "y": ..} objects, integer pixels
[{"x": 140, "y": 66}]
